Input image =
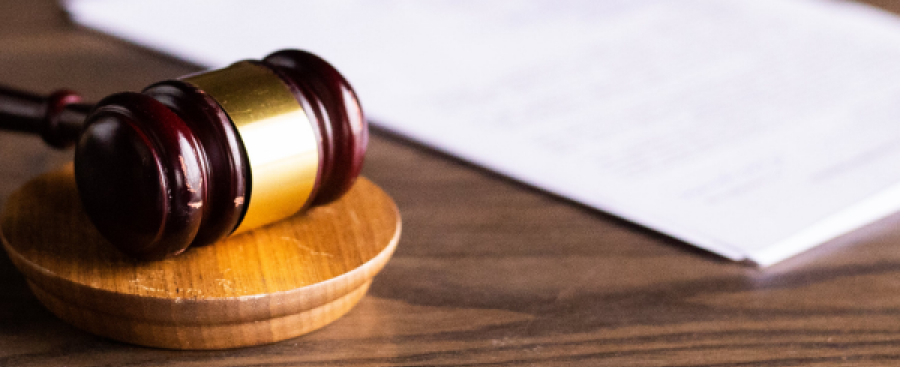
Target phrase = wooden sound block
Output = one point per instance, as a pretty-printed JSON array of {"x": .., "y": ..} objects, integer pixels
[{"x": 274, "y": 283}]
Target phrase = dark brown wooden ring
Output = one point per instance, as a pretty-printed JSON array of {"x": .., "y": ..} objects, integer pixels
[
  {"x": 141, "y": 176},
  {"x": 229, "y": 184},
  {"x": 341, "y": 120},
  {"x": 50, "y": 130}
]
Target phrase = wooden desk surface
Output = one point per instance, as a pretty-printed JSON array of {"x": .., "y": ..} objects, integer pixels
[{"x": 488, "y": 272}]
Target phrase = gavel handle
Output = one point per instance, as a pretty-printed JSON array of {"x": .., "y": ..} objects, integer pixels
[{"x": 58, "y": 118}]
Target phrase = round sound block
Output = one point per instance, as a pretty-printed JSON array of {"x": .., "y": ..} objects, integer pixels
[{"x": 274, "y": 283}]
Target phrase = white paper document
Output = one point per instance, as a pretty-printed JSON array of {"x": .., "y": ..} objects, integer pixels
[{"x": 755, "y": 129}]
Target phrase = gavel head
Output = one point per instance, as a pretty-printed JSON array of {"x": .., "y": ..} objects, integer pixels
[{"x": 190, "y": 161}]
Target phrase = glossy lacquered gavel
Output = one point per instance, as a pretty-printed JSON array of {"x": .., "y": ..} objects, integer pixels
[{"x": 190, "y": 161}]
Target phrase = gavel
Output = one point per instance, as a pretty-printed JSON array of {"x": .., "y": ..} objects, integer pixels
[{"x": 190, "y": 161}]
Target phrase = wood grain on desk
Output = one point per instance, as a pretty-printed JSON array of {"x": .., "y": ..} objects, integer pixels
[{"x": 489, "y": 272}]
